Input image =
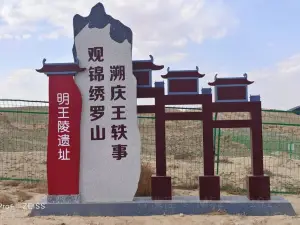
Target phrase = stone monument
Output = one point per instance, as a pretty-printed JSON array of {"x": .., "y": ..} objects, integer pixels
[{"x": 110, "y": 140}]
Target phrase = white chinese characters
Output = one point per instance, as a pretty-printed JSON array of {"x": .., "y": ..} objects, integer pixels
[{"x": 63, "y": 125}]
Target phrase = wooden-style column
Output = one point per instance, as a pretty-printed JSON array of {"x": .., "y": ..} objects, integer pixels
[
  {"x": 258, "y": 185},
  {"x": 161, "y": 184},
  {"x": 209, "y": 184}
]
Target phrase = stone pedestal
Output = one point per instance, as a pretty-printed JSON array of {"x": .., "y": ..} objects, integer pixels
[
  {"x": 188, "y": 205},
  {"x": 209, "y": 187},
  {"x": 63, "y": 199},
  {"x": 258, "y": 187},
  {"x": 161, "y": 187}
]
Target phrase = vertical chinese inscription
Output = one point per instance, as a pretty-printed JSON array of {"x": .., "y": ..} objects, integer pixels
[
  {"x": 118, "y": 129},
  {"x": 115, "y": 92},
  {"x": 96, "y": 93},
  {"x": 63, "y": 126}
]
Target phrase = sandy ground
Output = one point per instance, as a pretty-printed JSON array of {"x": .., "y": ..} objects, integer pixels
[
  {"x": 283, "y": 172},
  {"x": 18, "y": 214}
]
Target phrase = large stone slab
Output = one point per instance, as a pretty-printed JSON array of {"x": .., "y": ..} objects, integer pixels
[
  {"x": 110, "y": 144},
  {"x": 189, "y": 205}
]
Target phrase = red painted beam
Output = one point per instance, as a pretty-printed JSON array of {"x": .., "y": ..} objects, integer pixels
[
  {"x": 185, "y": 99},
  {"x": 146, "y": 109},
  {"x": 148, "y": 92},
  {"x": 184, "y": 116},
  {"x": 234, "y": 106}
]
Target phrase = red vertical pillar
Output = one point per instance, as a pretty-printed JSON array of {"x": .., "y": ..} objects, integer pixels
[
  {"x": 161, "y": 184},
  {"x": 209, "y": 184},
  {"x": 257, "y": 179},
  {"x": 63, "y": 150},
  {"x": 160, "y": 134},
  {"x": 208, "y": 153}
]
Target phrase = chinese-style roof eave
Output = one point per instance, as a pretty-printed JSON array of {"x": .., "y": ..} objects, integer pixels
[
  {"x": 183, "y": 73},
  {"x": 53, "y": 68},
  {"x": 231, "y": 81},
  {"x": 145, "y": 65}
]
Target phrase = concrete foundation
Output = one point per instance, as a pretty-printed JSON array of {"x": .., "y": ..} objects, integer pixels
[{"x": 188, "y": 205}]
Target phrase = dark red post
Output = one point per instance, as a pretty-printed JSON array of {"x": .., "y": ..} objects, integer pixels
[
  {"x": 161, "y": 186},
  {"x": 161, "y": 183},
  {"x": 209, "y": 184},
  {"x": 160, "y": 133},
  {"x": 258, "y": 184},
  {"x": 207, "y": 125}
]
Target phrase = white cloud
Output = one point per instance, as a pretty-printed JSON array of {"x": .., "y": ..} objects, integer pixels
[
  {"x": 171, "y": 58},
  {"x": 278, "y": 85},
  {"x": 159, "y": 26},
  {"x": 26, "y": 36},
  {"x": 180, "y": 42},
  {"x": 51, "y": 35},
  {"x": 6, "y": 36},
  {"x": 290, "y": 66},
  {"x": 162, "y": 28},
  {"x": 16, "y": 37},
  {"x": 24, "y": 84}
]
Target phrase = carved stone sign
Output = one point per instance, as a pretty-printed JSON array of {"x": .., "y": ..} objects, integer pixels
[{"x": 110, "y": 140}]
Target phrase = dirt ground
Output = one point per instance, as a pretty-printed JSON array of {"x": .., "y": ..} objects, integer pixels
[
  {"x": 283, "y": 172},
  {"x": 24, "y": 195}
]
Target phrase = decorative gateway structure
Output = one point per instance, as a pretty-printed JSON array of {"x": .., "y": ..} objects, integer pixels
[
  {"x": 183, "y": 82},
  {"x": 142, "y": 70},
  {"x": 231, "y": 89},
  {"x": 94, "y": 144}
]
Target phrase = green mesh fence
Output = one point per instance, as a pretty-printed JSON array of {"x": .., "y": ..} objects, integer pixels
[
  {"x": 281, "y": 146},
  {"x": 23, "y": 139},
  {"x": 23, "y": 144}
]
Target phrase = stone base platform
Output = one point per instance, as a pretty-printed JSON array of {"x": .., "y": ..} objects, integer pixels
[{"x": 188, "y": 205}]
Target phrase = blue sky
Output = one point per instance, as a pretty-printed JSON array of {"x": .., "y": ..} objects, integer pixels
[{"x": 259, "y": 37}]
